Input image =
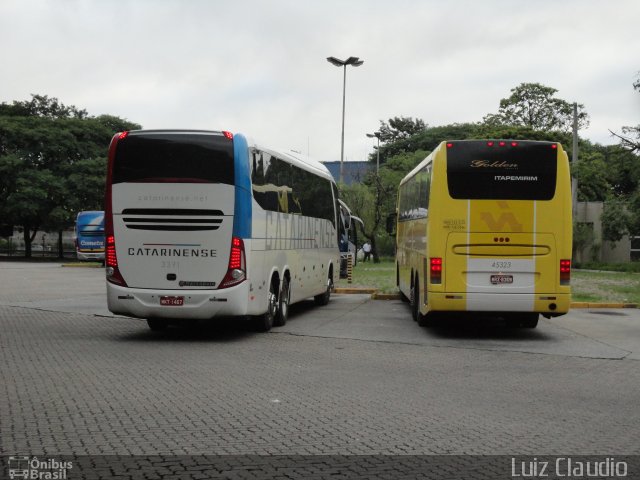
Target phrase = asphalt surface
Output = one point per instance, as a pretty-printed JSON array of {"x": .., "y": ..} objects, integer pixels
[{"x": 356, "y": 382}]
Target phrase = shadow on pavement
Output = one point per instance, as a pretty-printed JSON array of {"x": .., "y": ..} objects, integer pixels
[
  {"x": 480, "y": 327},
  {"x": 220, "y": 330}
]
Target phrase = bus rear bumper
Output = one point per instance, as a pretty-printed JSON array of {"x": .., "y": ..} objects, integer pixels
[
  {"x": 87, "y": 256},
  {"x": 196, "y": 304},
  {"x": 546, "y": 304}
]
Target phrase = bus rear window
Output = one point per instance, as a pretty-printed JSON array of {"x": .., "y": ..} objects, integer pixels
[
  {"x": 479, "y": 171},
  {"x": 174, "y": 157}
]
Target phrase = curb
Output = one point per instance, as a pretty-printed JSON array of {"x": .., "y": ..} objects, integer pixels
[
  {"x": 603, "y": 305},
  {"x": 81, "y": 265},
  {"x": 350, "y": 290},
  {"x": 375, "y": 295}
]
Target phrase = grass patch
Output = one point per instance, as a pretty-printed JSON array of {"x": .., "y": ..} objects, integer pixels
[
  {"x": 381, "y": 276},
  {"x": 587, "y": 286},
  {"x": 594, "y": 286},
  {"x": 630, "y": 267}
]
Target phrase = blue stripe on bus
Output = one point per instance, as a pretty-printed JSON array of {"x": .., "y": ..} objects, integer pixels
[{"x": 242, "y": 214}]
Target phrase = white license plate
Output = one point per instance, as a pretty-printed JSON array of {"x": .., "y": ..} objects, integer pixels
[
  {"x": 501, "y": 279},
  {"x": 172, "y": 301}
]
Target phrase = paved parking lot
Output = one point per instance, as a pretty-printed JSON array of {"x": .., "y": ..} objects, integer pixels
[{"x": 357, "y": 377}]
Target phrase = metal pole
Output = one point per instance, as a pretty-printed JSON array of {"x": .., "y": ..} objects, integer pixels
[
  {"x": 574, "y": 159},
  {"x": 344, "y": 89},
  {"x": 574, "y": 153}
]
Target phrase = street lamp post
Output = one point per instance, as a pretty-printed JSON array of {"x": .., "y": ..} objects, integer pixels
[
  {"x": 354, "y": 62},
  {"x": 376, "y": 135}
]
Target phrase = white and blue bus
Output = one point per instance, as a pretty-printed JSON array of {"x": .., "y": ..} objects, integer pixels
[
  {"x": 201, "y": 224},
  {"x": 90, "y": 235}
]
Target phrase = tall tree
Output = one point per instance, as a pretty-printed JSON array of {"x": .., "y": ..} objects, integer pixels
[
  {"x": 535, "y": 106},
  {"x": 626, "y": 169},
  {"x": 426, "y": 140},
  {"x": 52, "y": 163},
  {"x": 375, "y": 199},
  {"x": 630, "y": 137},
  {"x": 399, "y": 128},
  {"x": 591, "y": 172}
]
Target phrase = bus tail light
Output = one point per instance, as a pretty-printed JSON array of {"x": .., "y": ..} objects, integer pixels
[
  {"x": 435, "y": 269},
  {"x": 237, "y": 271},
  {"x": 565, "y": 272},
  {"x": 111, "y": 262},
  {"x": 110, "y": 258}
]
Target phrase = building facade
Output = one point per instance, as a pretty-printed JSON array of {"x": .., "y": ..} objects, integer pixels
[{"x": 588, "y": 217}]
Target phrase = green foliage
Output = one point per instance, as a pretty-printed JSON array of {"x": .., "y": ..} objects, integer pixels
[
  {"x": 400, "y": 128},
  {"x": 520, "y": 132},
  {"x": 633, "y": 204},
  {"x": 583, "y": 237},
  {"x": 615, "y": 220},
  {"x": 591, "y": 172},
  {"x": 365, "y": 202},
  {"x": 534, "y": 106},
  {"x": 41, "y": 106},
  {"x": 375, "y": 199},
  {"x": 429, "y": 138},
  {"x": 629, "y": 267},
  {"x": 606, "y": 286},
  {"x": 609, "y": 174},
  {"x": 52, "y": 162},
  {"x": 395, "y": 169},
  {"x": 623, "y": 170},
  {"x": 380, "y": 276},
  {"x": 425, "y": 140},
  {"x": 630, "y": 137}
]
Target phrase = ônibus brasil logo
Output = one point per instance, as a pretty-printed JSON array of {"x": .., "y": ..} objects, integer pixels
[{"x": 34, "y": 468}]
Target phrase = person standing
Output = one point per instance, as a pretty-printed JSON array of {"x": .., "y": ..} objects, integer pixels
[{"x": 366, "y": 249}]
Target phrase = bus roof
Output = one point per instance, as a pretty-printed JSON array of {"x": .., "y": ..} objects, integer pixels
[{"x": 302, "y": 161}]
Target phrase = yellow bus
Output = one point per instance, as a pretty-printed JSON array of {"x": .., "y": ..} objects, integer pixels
[{"x": 486, "y": 226}]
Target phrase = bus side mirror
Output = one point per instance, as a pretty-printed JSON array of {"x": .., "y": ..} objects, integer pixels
[
  {"x": 391, "y": 223},
  {"x": 347, "y": 221}
]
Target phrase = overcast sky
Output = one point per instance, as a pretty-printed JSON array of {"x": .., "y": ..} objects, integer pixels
[{"x": 259, "y": 67}]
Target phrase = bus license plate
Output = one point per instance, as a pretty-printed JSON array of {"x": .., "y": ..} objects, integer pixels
[
  {"x": 172, "y": 301},
  {"x": 500, "y": 279}
]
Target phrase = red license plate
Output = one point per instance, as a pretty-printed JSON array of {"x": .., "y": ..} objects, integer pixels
[
  {"x": 501, "y": 279},
  {"x": 172, "y": 301}
]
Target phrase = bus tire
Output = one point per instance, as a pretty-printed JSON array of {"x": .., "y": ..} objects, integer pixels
[
  {"x": 425, "y": 320},
  {"x": 523, "y": 320},
  {"x": 264, "y": 322},
  {"x": 323, "y": 298},
  {"x": 157, "y": 324},
  {"x": 529, "y": 320},
  {"x": 415, "y": 300},
  {"x": 283, "y": 304}
]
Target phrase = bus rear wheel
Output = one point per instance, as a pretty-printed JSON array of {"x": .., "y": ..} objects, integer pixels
[
  {"x": 264, "y": 322},
  {"x": 423, "y": 320},
  {"x": 529, "y": 320},
  {"x": 323, "y": 298},
  {"x": 283, "y": 304},
  {"x": 414, "y": 300},
  {"x": 157, "y": 324},
  {"x": 524, "y": 320}
]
